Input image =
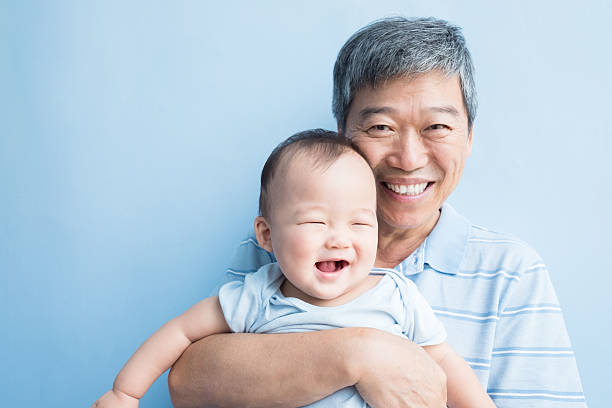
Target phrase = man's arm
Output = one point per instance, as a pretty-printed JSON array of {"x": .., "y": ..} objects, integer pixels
[{"x": 294, "y": 369}]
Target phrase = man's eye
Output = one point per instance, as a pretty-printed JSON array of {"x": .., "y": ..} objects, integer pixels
[
  {"x": 437, "y": 126},
  {"x": 379, "y": 129}
]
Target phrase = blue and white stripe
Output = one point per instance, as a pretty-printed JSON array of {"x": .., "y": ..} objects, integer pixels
[{"x": 534, "y": 394}]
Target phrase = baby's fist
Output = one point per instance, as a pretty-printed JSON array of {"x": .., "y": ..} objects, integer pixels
[{"x": 115, "y": 399}]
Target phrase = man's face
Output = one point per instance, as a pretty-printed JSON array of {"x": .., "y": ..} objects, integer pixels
[
  {"x": 323, "y": 226},
  {"x": 415, "y": 135}
]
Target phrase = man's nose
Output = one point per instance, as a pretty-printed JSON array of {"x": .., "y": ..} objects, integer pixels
[{"x": 409, "y": 151}]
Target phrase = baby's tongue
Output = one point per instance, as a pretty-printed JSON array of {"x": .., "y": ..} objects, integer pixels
[{"x": 327, "y": 266}]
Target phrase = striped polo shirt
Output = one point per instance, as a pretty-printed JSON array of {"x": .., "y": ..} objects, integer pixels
[{"x": 493, "y": 294}]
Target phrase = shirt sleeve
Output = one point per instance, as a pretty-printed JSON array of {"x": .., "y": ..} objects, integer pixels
[
  {"x": 248, "y": 258},
  {"x": 421, "y": 325},
  {"x": 532, "y": 362},
  {"x": 241, "y": 301}
]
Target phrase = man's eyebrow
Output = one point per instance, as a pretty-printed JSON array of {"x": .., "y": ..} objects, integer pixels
[
  {"x": 449, "y": 109},
  {"x": 373, "y": 110}
]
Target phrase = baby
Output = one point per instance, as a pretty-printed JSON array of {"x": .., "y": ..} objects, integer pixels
[{"x": 318, "y": 217}]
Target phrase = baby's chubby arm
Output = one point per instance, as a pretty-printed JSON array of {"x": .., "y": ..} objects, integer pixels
[
  {"x": 161, "y": 350},
  {"x": 463, "y": 388}
]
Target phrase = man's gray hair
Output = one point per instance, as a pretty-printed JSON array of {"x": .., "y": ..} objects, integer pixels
[{"x": 399, "y": 46}]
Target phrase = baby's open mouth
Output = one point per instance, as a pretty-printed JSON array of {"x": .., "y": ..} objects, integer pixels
[{"x": 331, "y": 266}]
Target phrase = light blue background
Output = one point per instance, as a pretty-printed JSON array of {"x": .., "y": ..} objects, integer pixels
[{"x": 132, "y": 135}]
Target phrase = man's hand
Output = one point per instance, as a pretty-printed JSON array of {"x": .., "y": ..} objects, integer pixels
[{"x": 395, "y": 372}]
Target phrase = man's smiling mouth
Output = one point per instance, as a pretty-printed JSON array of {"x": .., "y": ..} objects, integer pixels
[{"x": 406, "y": 189}]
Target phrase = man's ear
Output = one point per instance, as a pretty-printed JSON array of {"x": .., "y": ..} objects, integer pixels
[
  {"x": 469, "y": 141},
  {"x": 262, "y": 233},
  {"x": 340, "y": 131}
]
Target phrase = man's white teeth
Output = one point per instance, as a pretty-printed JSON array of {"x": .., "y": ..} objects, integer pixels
[{"x": 410, "y": 189}]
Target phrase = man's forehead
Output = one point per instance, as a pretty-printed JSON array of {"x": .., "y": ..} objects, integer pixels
[
  {"x": 432, "y": 92},
  {"x": 425, "y": 83}
]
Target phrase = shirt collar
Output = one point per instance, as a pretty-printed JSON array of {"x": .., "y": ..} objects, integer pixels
[{"x": 445, "y": 246}]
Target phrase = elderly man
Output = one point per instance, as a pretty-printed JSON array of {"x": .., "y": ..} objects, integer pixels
[{"x": 404, "y": 92}]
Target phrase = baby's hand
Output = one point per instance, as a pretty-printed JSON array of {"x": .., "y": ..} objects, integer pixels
[{"x": 115, "y": 399}]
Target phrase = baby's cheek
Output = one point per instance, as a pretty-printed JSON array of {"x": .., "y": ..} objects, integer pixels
[
  {"x": 302, "y": 246},
  {"x": 368, "y": 245}
]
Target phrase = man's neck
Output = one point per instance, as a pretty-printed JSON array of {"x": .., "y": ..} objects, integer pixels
[{"x": 395, "y": 245}]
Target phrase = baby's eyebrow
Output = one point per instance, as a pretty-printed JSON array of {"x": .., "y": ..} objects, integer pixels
[
  {"x": 308, "y": 209},
  {"x": 365, "y": 211}
]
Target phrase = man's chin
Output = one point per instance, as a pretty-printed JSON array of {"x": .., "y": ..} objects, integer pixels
[{"x": 408, "y": 220}]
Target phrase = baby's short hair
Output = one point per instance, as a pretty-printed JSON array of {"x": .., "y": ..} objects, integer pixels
[{"x": 325, "y": 147}]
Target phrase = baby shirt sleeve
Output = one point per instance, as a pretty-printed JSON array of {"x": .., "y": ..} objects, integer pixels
[
  {"x": 241, "y": 303},
  {"x": 421, "y": 325}
]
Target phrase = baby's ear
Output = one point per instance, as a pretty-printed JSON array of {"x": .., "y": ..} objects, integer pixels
[{"x": 262, "y": 232}]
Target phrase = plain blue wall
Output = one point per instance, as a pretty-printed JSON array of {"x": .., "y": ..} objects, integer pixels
[{"x": 132, "y": 135}]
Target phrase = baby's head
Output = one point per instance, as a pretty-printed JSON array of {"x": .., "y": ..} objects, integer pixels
[{"x": 318, "y": 213}]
